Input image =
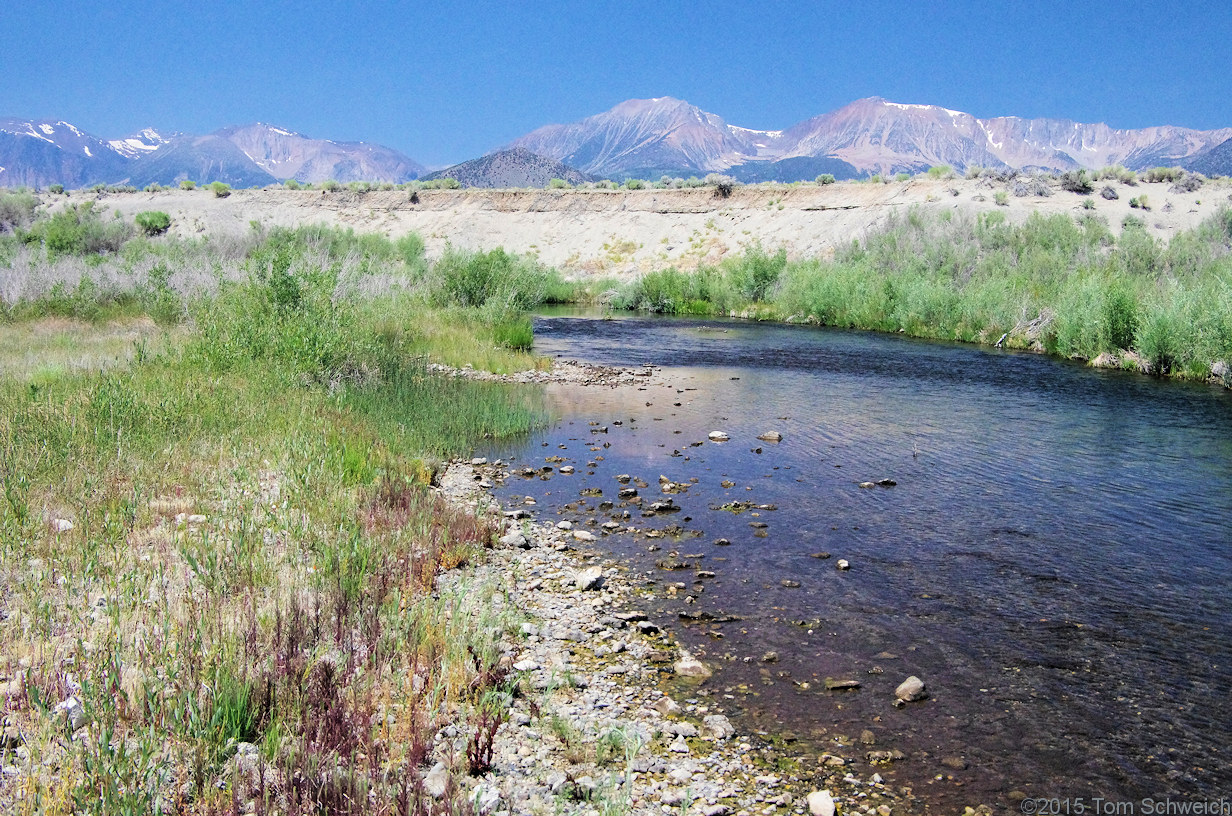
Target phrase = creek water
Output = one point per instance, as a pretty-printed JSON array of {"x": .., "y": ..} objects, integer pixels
[{"x": 1054, "y": 560}]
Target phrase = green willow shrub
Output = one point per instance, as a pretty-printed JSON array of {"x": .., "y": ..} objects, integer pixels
[
  {"x": 220, "y": 189},
  {"x": 825, "y": 178},
  {"x": 188, "y": 184},
  {"x": 153, "y": 222},
  {"x": 16, "y": 210}
]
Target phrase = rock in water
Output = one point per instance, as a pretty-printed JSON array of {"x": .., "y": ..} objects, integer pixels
[
  {"x": 718, "y": 436},
  {"x": 690, "y": 666},
  {"x": 843, "y": 564},
  {"x": 771, "y": 436},
  {"x": 821, "y": 803},
  {"x": 910, "y": 690},
  {"x": 589, "y": 578}
]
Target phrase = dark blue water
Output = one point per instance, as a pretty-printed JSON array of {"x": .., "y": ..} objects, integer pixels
[{"x": 1055, "y": 559}]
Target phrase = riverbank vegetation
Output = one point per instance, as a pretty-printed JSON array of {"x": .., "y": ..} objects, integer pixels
[
  {"x": 1055, "y": 283},
  {"x": 220, "y": 559}
]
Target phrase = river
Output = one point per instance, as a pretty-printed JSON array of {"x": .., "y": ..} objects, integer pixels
[{"x": 1054, "y": 559}]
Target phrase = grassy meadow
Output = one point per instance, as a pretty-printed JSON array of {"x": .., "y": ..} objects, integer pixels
[{"x": 219, "y": 552}]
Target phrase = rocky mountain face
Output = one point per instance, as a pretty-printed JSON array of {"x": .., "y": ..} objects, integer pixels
[
  {"x": 42, "y": 152},
  {"x": 517, "y": 167},
  {"x": 1217, "y": 161},
  {"x": 286, "y": 155},
  {"x": 652, "y": 136},
  {"x": 648, "y": 137}
]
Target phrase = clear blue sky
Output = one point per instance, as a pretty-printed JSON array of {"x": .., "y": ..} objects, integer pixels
[{"x": 444, "y": 82}]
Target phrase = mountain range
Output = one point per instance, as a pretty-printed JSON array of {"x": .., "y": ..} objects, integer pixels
[
  {"x": 647, "y": 137},
  {"x": 37, "y": 153},
  {"x": 639, "y": 138}
]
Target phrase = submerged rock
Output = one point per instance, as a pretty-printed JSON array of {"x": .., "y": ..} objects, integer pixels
[
  {"x": 690, "y": 666},
  {"x": 910, "y": 690}
]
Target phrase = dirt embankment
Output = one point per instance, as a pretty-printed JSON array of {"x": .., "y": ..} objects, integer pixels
[{"x": 628, "y": 232}]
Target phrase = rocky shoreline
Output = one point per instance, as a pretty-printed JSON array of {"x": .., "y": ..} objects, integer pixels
[{"x": 613, "y": 717}]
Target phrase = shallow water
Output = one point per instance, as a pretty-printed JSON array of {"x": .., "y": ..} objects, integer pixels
[{"x": 1054, "y": 560}]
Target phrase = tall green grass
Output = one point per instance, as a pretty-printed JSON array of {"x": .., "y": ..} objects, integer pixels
[
  {"x": 1053, "y": 283},
  {"x": 295, "y": 411}
]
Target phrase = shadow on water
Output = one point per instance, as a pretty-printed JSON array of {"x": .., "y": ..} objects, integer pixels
[{"x": 1054, "y": 560}]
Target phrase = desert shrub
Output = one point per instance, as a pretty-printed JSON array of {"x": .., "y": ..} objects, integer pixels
[
  {"x": 56, "y": 188},
  {"x": 1140, "y": 202},
  {"x": 557, "y": 184},
  {"x": 1109, "y": 193},
  {"x": 634, "y": 184},
  {"x": 723, "y": 185},
  {"x": 1187, "y": 184},
  {"x": 1131, "y": 222},
  {"x": 16, "y": 210},
  {"x": 153, "y": 188},
  {"x": 187, "y": 184},
  {"x": 153, "y": 222},
  {"x": 1076, "y": 181},
  {"x": 876, "y": 178},
  {"x": 903, "y": 177},
  {"x": 220, "y": 189},
  {"x": 1088, "y": 204},
  {"x": 121, "y": 188},
  {"x": 940, "y": 171},
  {"x": 330, "y": 185},
  {"x": 1157, "y": 175},
  {"x": 1002, "y": 198},
  {"x": 292, "y": 184},
  {"x": 974, "y": 171},
  {"x": 825, "y": 178},
  {"x": 1035, "y": 186},
  {"x": 1116, "y": 172}
]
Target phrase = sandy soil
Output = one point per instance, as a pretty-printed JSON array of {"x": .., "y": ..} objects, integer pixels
[{"x": 623, "y": 233}]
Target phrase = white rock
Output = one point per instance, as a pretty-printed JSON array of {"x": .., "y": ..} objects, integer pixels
[
  {"x": 60, "y": 525},
  {"x": 478, "y": 461},
  {"x": 843, "y": 564},
  {"x": 513, "y": 539},
  {"x": 771, "y": 436},
  {"x": 589, "y": 578},
  {"x": 717, "y": 727},
  {"x": 436, "y": 781},
  {"x": 821, "y": 803},
  {"x": 526, "y": 665},
  {"x": 667, "y": 705},
  {"x": 718, "y": 436},
  {"x": 583, "y": 535},
  {"x": 564, "y": 525},
  {"x": 690, "y": 666},
  {"x": 910, "y": 690},
  {"x": 73, "y": 711}
]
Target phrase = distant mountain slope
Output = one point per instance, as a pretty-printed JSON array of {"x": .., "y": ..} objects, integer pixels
[
  {"x": 1216, "y": 161},
  {"x": 285, "y": 155},
  {"x": 38, "y": 153},
  {"x": 510, "y": 168},
  {"x": 648, "y": 137},
  {"x": 198, "y": 158}
]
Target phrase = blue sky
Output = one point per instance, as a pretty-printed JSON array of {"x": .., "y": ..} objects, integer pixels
[{"x": 444, "y": 82}]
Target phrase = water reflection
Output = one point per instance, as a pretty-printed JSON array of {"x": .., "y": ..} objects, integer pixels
[{"x": 1054, "y": 559}]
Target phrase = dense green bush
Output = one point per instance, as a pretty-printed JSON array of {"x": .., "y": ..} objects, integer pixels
[
  {"x": 188, "y": 184},
  {"x": 57, "y": 189},
  {"x": 1161, "y": 174},
  {"x": 634, "y": 184},
  {"x": 825, "y": 178},
  {"x": 16, "y": 210},
  {"x": 495, "y": 278},
  {"x": 220, "y": 189},
  {"x": 79, "y": 229},
  {"x": 557, "y": 184},
  {"x": 153, "y": 222}
]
